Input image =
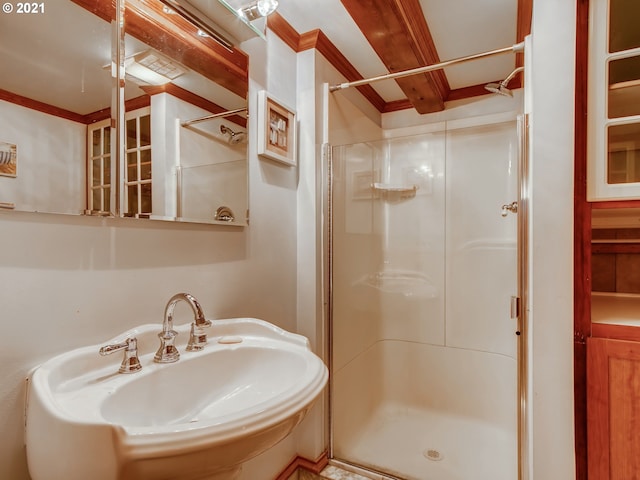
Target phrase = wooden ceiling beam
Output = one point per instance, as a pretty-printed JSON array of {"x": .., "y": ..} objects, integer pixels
[
  {"x": 523, "y": 28},
  {"x": 316, "y": 39},
  {"x": 402, "y": 41},
  {"x": 418, "y": 38}
]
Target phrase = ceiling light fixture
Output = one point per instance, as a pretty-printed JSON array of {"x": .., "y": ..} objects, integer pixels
[
  {"x": 258, "y": 9},
  {"x": 151, "y": 68}
]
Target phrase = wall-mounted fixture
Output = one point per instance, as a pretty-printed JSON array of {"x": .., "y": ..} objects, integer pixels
[
  {"x": 258, "y": 9},
  {"x": 209, "y": 16},
  {"x": 501, "y": 88},
  {"x": 234, "y": 137}
]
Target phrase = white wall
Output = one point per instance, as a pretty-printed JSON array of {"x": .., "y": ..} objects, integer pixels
[
  {"x": 552, "y": 82},
  {"x": 214, "y": 172},
  {"x": 51, "y": 155},
  {"x": 73, "y": 281}
]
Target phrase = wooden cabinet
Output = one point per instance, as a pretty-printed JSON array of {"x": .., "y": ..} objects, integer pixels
[{"x": 613, "y": 409}]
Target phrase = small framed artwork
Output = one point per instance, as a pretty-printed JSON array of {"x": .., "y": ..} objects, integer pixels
[
  {"x": 276, "y": 130},
  {"x": 8, "y": 159}
]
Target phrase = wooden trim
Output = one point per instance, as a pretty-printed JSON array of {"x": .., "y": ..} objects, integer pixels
[
  {"x": 283, "y": 29},
  {"x": 193, "y": 99},
  {"x": 40, "y": 106},
  {"x": 397, "y": 105},
  {"x": 525, "y": 14},
  {"x": 598, "y": 394},
  {"x": 616, "y": 204},
  {"x": 615, "y": 248},
  {"x": 582, "y": 242},
  {"x": 318, "y": 40},
  {"x": 580, "y": 350},
  {"x": 229, "y": 68},
  {"x": 130, "y": 105},
  {"x": 616, "y": 332},
  {"x": 301, "y": 462}
]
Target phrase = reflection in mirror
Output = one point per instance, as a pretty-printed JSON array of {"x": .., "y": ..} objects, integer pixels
[
  {"x": 180, "y": 163},
  {"x": 51, "y": 87},
  {"x": 56, "y": 92},
  {"x": 615, "y": 265}
]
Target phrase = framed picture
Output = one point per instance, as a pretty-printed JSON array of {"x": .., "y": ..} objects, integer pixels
[
  {"x": 276, "y": 130},
  {"x": 8, "y": 159}
]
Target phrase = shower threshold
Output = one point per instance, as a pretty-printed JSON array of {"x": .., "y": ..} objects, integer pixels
[{"x": 420, "y": 444}]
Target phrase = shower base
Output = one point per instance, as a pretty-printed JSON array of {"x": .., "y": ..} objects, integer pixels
[{"x": 415, "y": 444}]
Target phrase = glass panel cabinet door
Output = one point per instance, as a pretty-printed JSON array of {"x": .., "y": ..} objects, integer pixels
[{"x": 614, "y": 101}]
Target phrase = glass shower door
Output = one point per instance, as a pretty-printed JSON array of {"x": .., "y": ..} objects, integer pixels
[{"x": 424, "y": 374}]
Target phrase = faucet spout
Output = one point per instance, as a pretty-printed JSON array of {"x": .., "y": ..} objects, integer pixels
[
  {"x": 199, "y": 317},
  {"x": 168, "y": 352}
]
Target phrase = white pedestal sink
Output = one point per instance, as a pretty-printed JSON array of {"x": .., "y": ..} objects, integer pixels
[{"x": 198, "y": 418}]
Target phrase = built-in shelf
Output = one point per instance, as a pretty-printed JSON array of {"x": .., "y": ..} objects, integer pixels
[{"x": 390, "y": 190}]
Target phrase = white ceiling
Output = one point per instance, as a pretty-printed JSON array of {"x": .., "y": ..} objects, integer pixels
[
  {"x": 458, "y": 27},
  {"x": 42, "y": 59}
]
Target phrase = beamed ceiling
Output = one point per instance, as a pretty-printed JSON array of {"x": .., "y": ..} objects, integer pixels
[
  {"x": 398, "y": 35},
  {"x": 360, "y": 38}
]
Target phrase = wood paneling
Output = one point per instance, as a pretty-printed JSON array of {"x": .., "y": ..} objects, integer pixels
[
  {"x": 613, "y": 389},
  {"x": 582, "y": 243},
  {"x": 616, "y": 332}
]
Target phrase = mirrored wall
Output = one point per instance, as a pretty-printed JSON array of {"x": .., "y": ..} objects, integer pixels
[{"x": 183, "y": 116}]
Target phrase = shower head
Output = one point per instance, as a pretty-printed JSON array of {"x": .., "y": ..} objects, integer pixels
[
  {"x": 234, "y": 137},
  {"x": 501, "y": 88}
]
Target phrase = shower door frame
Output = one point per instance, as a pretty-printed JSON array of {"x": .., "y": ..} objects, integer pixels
[{"x": 520, "y": 301}]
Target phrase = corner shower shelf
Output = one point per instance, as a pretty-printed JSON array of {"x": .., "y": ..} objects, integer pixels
[{"x": 393, "y": 191}]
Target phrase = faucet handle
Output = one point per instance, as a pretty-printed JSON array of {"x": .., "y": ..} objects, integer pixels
[
  {"x": 197, "y": 337},
  {"x": 130, "y": 362},
  {"x": 168, "y": 352}
]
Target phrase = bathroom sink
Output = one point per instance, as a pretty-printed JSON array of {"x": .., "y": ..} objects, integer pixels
[{"x": 200, "y": 417}]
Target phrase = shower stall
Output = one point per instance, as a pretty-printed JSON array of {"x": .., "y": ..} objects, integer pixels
[{"x": 424, "y": 322}]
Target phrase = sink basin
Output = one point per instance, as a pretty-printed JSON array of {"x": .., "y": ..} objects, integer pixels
[{"x": 198, "y": 418}]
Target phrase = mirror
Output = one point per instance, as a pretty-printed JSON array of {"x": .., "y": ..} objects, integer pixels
[
  {"x": 57, "y": 93},
  {"x": 615, "y": 265}
]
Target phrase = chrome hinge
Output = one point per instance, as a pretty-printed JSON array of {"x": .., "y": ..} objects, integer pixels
[{"x": 515, "y": 306}]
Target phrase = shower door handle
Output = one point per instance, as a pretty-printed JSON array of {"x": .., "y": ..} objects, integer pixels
[
  {"x": 515, "y": 306},
  {"x": 510, "y": 207}
]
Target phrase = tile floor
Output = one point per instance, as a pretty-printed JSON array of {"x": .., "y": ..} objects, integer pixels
[{"x": 333, "y": 473}]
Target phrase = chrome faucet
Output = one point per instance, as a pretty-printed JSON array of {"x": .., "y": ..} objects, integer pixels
[
  {"x": 168, "y": 352},
  {"x": 130, "y": 362}
]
